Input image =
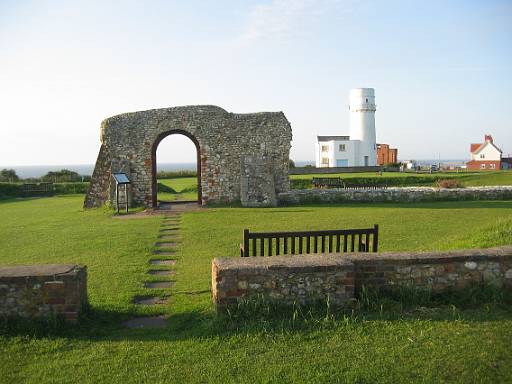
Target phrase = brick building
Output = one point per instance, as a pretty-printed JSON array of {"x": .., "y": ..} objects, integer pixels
[
  {"x": 485, "y": 156},
  {"x": 386, "y": 155}
]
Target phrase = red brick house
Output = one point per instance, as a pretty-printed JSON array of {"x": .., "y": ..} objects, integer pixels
[
  {"x": 386, "y": 155},
  {"x": 485, "y": 156}
]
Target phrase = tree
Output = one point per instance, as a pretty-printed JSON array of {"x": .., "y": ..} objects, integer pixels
[
  {"x": 291, "y": 163},
  {"x": 64, "y": 175},
  {"x": 8, "y": 175}
]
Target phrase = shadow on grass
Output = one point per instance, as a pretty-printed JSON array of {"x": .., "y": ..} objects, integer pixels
[{"x": 257, "y": 316}]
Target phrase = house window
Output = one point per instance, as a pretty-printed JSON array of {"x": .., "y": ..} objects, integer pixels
[
  {"x": 492, "y": 166},
  {"x": 325, "y": 148},
  {"x": 482, "y": 155},
  {"x": 366, "y": 161},
  {"x": 325, "y": 161},
  {"x": 482, "y": 166},
  {"x": 342, "y": 148},
  {"x": 366, "y": 100}
]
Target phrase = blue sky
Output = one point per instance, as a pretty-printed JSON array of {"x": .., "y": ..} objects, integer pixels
[{"x": 442, "y": 70}]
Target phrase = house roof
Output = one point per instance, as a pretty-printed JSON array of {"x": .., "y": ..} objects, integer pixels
[{"x": 475, "y": 148}]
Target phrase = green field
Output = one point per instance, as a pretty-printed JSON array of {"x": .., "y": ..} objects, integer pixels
[
  {"x": 419, "y": 344},
  {"x": 468, "y": 179},
  {"x": 178, "y": 188}
]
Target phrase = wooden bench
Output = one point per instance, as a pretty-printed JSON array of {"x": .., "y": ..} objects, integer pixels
[
  {"x": 37, "y": 189},
  {"x": 365, "y": 186},
  {"x": 328, "y": 182},
  {"x": 298, "y": 243},
  {"x": 337, "y": 182}
]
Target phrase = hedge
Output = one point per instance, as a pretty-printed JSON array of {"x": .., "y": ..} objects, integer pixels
[
  {"x": 377, "y": 181},
  {"x": 16, "y": 190}
]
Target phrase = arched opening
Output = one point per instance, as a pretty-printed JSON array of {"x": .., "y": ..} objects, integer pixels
[{"x": 176, "y": 149}]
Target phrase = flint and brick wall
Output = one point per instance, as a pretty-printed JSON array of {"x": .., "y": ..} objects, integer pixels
[
  {"x": 309, "y": 278},
  {"x": 395, "y": 194},
  {"x": 38, "y": 291},
  {"x": 224, "y": 140}
]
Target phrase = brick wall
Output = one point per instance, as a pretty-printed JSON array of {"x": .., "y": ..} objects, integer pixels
[
  {"x": 309, "y": 278},
  {"x": 42, "y": 290},
  {"x": 484, "y": 165}
]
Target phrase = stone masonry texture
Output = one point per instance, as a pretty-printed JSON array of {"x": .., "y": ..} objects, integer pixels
[
  {"x": 395, "y": 194},
  {"x": 309, "y": 278},
  {"x": 38, "y": 291},
  {"x": 227, "y": 143}
]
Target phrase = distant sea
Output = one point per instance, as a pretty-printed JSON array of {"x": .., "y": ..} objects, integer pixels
[{"x": 27, "y": 171}]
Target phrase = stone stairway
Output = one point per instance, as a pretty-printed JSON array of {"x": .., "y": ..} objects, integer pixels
[{"x": 161, "y": 269}]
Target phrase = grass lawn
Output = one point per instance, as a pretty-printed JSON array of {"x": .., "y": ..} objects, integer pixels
[
  {"x": 178, "y": 188},
  {"x": 435, "y": 344},
  {"x": 468, "y": 179}
]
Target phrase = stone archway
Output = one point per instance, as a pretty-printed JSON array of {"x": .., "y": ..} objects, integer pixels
[
  {"x": 241, "y": 157},
  {"x": 153, "y": 159}
]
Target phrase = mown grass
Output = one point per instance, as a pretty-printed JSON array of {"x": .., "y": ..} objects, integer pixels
[
  {"x": 178, "y": 188},
  {"x": 467, "y": 179},
  {"x": 437, "y": 343}
]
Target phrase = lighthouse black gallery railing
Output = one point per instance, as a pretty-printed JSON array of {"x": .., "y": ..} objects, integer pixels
[{"x": 297, "y": 243}]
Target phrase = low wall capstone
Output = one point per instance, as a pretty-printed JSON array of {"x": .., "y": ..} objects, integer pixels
[
  {"x": 340, "y": 277},
  {"x": 394, "y": 194},
  {"x": 37, "y": 291}
]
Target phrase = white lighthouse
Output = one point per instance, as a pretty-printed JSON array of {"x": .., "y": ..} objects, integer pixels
[
  {"x": 362, "y": 125},
  {"x": 358, "y": 149}
]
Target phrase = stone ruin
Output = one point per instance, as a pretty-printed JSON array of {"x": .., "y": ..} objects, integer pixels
[{"x": 240, "y": 157}]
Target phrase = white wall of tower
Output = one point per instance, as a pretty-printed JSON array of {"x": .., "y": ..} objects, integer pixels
[{"x": 362, "y": 124}]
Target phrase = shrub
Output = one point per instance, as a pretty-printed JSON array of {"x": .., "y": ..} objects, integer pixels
[
  {"x": 62, "y": 176},
  {"x": 449, "y": 183},
  {"x": 175, "y": 174},
  {"x": 16, "y": 190}
]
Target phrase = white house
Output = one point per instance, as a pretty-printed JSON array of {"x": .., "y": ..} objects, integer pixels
[
  {"x": 485, "y": 156},
  {"x": 360, "y": 147}
]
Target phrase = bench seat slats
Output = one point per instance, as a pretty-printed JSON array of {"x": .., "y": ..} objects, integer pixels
[{"x": 338, "y": 240}]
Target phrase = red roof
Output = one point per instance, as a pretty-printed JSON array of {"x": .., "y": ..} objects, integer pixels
[{"x": 474, "y": 147}]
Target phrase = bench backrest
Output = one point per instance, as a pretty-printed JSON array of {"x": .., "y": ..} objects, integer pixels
[
  {"x": 327, "y": 181},
  {"x": 296, "y": 243},
  {"x": 37, "y": 188}
]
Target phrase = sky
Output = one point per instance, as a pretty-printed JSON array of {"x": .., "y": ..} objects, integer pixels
[{"x": 442, "y": 70}]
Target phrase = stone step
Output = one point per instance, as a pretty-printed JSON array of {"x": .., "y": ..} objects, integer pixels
[
  {"x": 162, "y": 262},
  {"x": 146, "y": 322},
  {"x": 164, "y": 252},
  {"x": 158, "y": 284},
  {"x": 161, "y": 272},
  {"x": 151, "y": 300},
  {"x": 169, "y": 236},
  {"x": 166, "y": 244},
  {"x": 167, "y": 230}
]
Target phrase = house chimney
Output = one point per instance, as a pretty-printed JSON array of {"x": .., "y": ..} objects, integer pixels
[{"x": 488, "y": 138}]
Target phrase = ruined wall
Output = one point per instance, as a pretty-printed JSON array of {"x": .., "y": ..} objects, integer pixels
[
  {"x": 37, "y": 291},
  {"x": 309, "y": 278},
  {"x": 395, "y": 194},
  {"x": 224, "y": 140}
]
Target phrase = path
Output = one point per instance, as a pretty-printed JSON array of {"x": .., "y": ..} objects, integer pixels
[{"x": 161, "y": 272}]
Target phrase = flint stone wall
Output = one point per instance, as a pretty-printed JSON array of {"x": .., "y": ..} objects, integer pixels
[
  {"x": 224, "y": 141},
  {"x": 395, "y": 194},
  {"x": 37, "y": 291},
  {"x": 309, "y": 278}
]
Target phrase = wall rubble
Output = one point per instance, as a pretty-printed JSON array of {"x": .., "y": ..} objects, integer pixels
[
  {"x": 395, "y": 194},
  {"x": 308, "y": 278},
  {"x": 129, "y": 141},
  {"x": 37, "y": 291}
]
